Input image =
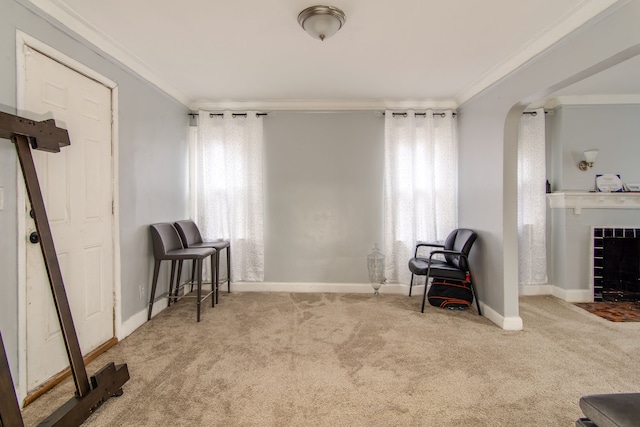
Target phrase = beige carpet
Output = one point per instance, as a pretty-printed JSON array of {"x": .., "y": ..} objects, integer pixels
[{"x": 277, "y": 359}]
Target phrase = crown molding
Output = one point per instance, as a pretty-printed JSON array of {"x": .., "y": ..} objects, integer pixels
[
  {"x": 565, "y": 25},
  {"x": 622, "y": 99},
  {"x": 322, "y": 105},
  {"x": 571, "y": 21},
  {"x": 586, "y": 100},
  {"x": 57, "y": 10}
]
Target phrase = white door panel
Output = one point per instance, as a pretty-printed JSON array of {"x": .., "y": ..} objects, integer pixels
[{"x": 77, "y": 190}]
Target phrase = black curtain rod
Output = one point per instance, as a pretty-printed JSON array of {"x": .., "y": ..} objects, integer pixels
[
  {"x": 533, "y": 113},
  {"x": 232, "y": 115},
  {"x": 421, "y": 114}
]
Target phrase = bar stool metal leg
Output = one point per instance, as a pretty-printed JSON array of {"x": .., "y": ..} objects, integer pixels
[
  {"x": 173, "y": 271},
  {"x": 193, "y": 274},
  {"x": 214, "y": 273},
  {"x": 217, "y": 275},
  {"x": 156, "y": 271},
  {"x": 199, "y": 267}
]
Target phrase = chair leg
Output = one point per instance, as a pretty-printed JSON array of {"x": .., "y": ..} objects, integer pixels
[
  {"x": 214, "y": 278},
  {"x": 411, "y": 284},
  {"x": 199, "y": 268},
  {"x": 175, "y": 293},
  {"x": 426, "y": 283},
  {"x": 424, "y": 298},
  {"x": 475, "y": 295},
  {"x": 173, "y": 271},
  {"x": 193, "y": 273},
  {"x": 154, "y": 282}
]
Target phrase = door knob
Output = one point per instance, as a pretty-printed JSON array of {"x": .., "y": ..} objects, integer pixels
[{"x": 33, "y": 237}]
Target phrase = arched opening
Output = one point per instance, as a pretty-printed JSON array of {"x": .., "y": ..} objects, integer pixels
[{"x": 595, "y": 108}]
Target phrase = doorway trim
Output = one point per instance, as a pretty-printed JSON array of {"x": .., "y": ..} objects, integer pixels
[{"x": 24, "y": 41}]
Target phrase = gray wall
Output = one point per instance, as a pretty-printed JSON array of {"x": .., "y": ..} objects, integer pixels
[
  {"x": 153, "y": 164},
  {"x": 323, "y": 195},
  {"x": 614, "y": 130},
  {"x": 488, "y": 137}
]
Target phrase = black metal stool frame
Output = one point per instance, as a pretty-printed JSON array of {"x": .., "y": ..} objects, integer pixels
[
  {"x": 167, "y": 245},
  {"x": 191, "y": 238}
]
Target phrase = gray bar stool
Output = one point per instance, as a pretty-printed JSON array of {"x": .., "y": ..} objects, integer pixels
[
  {"x": 167, "y": 245},
  {"x": 191, "y": 238}
]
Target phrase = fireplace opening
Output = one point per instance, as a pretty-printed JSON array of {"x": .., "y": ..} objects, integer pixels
[{"x": 616, "y": 264}]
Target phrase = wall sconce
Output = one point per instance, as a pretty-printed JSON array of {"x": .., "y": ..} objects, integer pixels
[{"x": 589, "y": 160}]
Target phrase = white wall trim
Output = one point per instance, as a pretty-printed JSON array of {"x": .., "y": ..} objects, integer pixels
[
  {"x": 323, "y": 105},
  {"x": 24, "y": 39},
  {"x": 573, "y": 295},
  {"x": 133, "y": 323},
  {"x": 117, "y": 260},
  {"x": 512, "y": 323},
  {"x": 139, "y": 319},
  {"x": 506, "y": 323},
  {"x": 21, "y": 196},
  {"x": 357, "y": 288},
  {"x": 529, "y": 290},
  {"x": 568, "y": 295},
  {"x": 21, "y": 389},
  {"x": 603, "y": 99}
]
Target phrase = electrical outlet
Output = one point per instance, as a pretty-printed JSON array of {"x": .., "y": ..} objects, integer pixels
[{"x": 141, "y": 290}]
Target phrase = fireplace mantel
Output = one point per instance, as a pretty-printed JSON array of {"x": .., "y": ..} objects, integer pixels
[{"x": 578, "y": 200}]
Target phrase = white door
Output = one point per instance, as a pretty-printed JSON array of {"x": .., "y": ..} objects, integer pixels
[{"x": 77, "y": 190}]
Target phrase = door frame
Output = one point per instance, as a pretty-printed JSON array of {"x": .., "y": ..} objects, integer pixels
[{"x": 24, "y": 41}]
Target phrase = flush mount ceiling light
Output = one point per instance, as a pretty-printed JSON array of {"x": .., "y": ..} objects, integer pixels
[{"x": 321, "y": 22}]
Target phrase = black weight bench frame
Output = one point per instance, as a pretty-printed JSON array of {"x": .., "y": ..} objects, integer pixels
[{"x": 107, "y": 382}]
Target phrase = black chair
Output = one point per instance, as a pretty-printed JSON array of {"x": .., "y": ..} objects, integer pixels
[
  {"x": 455, "y": 265},
  {"x": 607, "y": 410},
  {"x": 191, "y": 238},
  {"x": 167, "y": 245}
]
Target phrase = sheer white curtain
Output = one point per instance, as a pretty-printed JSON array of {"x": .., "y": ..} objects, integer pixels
[
  {"x": 532, "y": 214},
  {"x": 421, "y": 182},
  {"x": 229, "y": 198}
]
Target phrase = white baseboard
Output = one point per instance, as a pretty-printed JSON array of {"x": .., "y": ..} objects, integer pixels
[
  {"x": 131, "y": 324},
  {"x": 139, "y": 319},
  {"x": 572, "y": 295},
  {"x": 338, "y": 288},
  {"x": 568, "y": 295},
  {"x": 529, "y": 290},
  {"x": 506, "y": 323}
]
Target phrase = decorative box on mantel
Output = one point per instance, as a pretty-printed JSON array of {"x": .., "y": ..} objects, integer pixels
[{"x": 578, "y": 200}]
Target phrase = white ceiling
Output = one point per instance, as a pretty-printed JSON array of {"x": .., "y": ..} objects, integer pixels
[{"x": 252, "y": 53}]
